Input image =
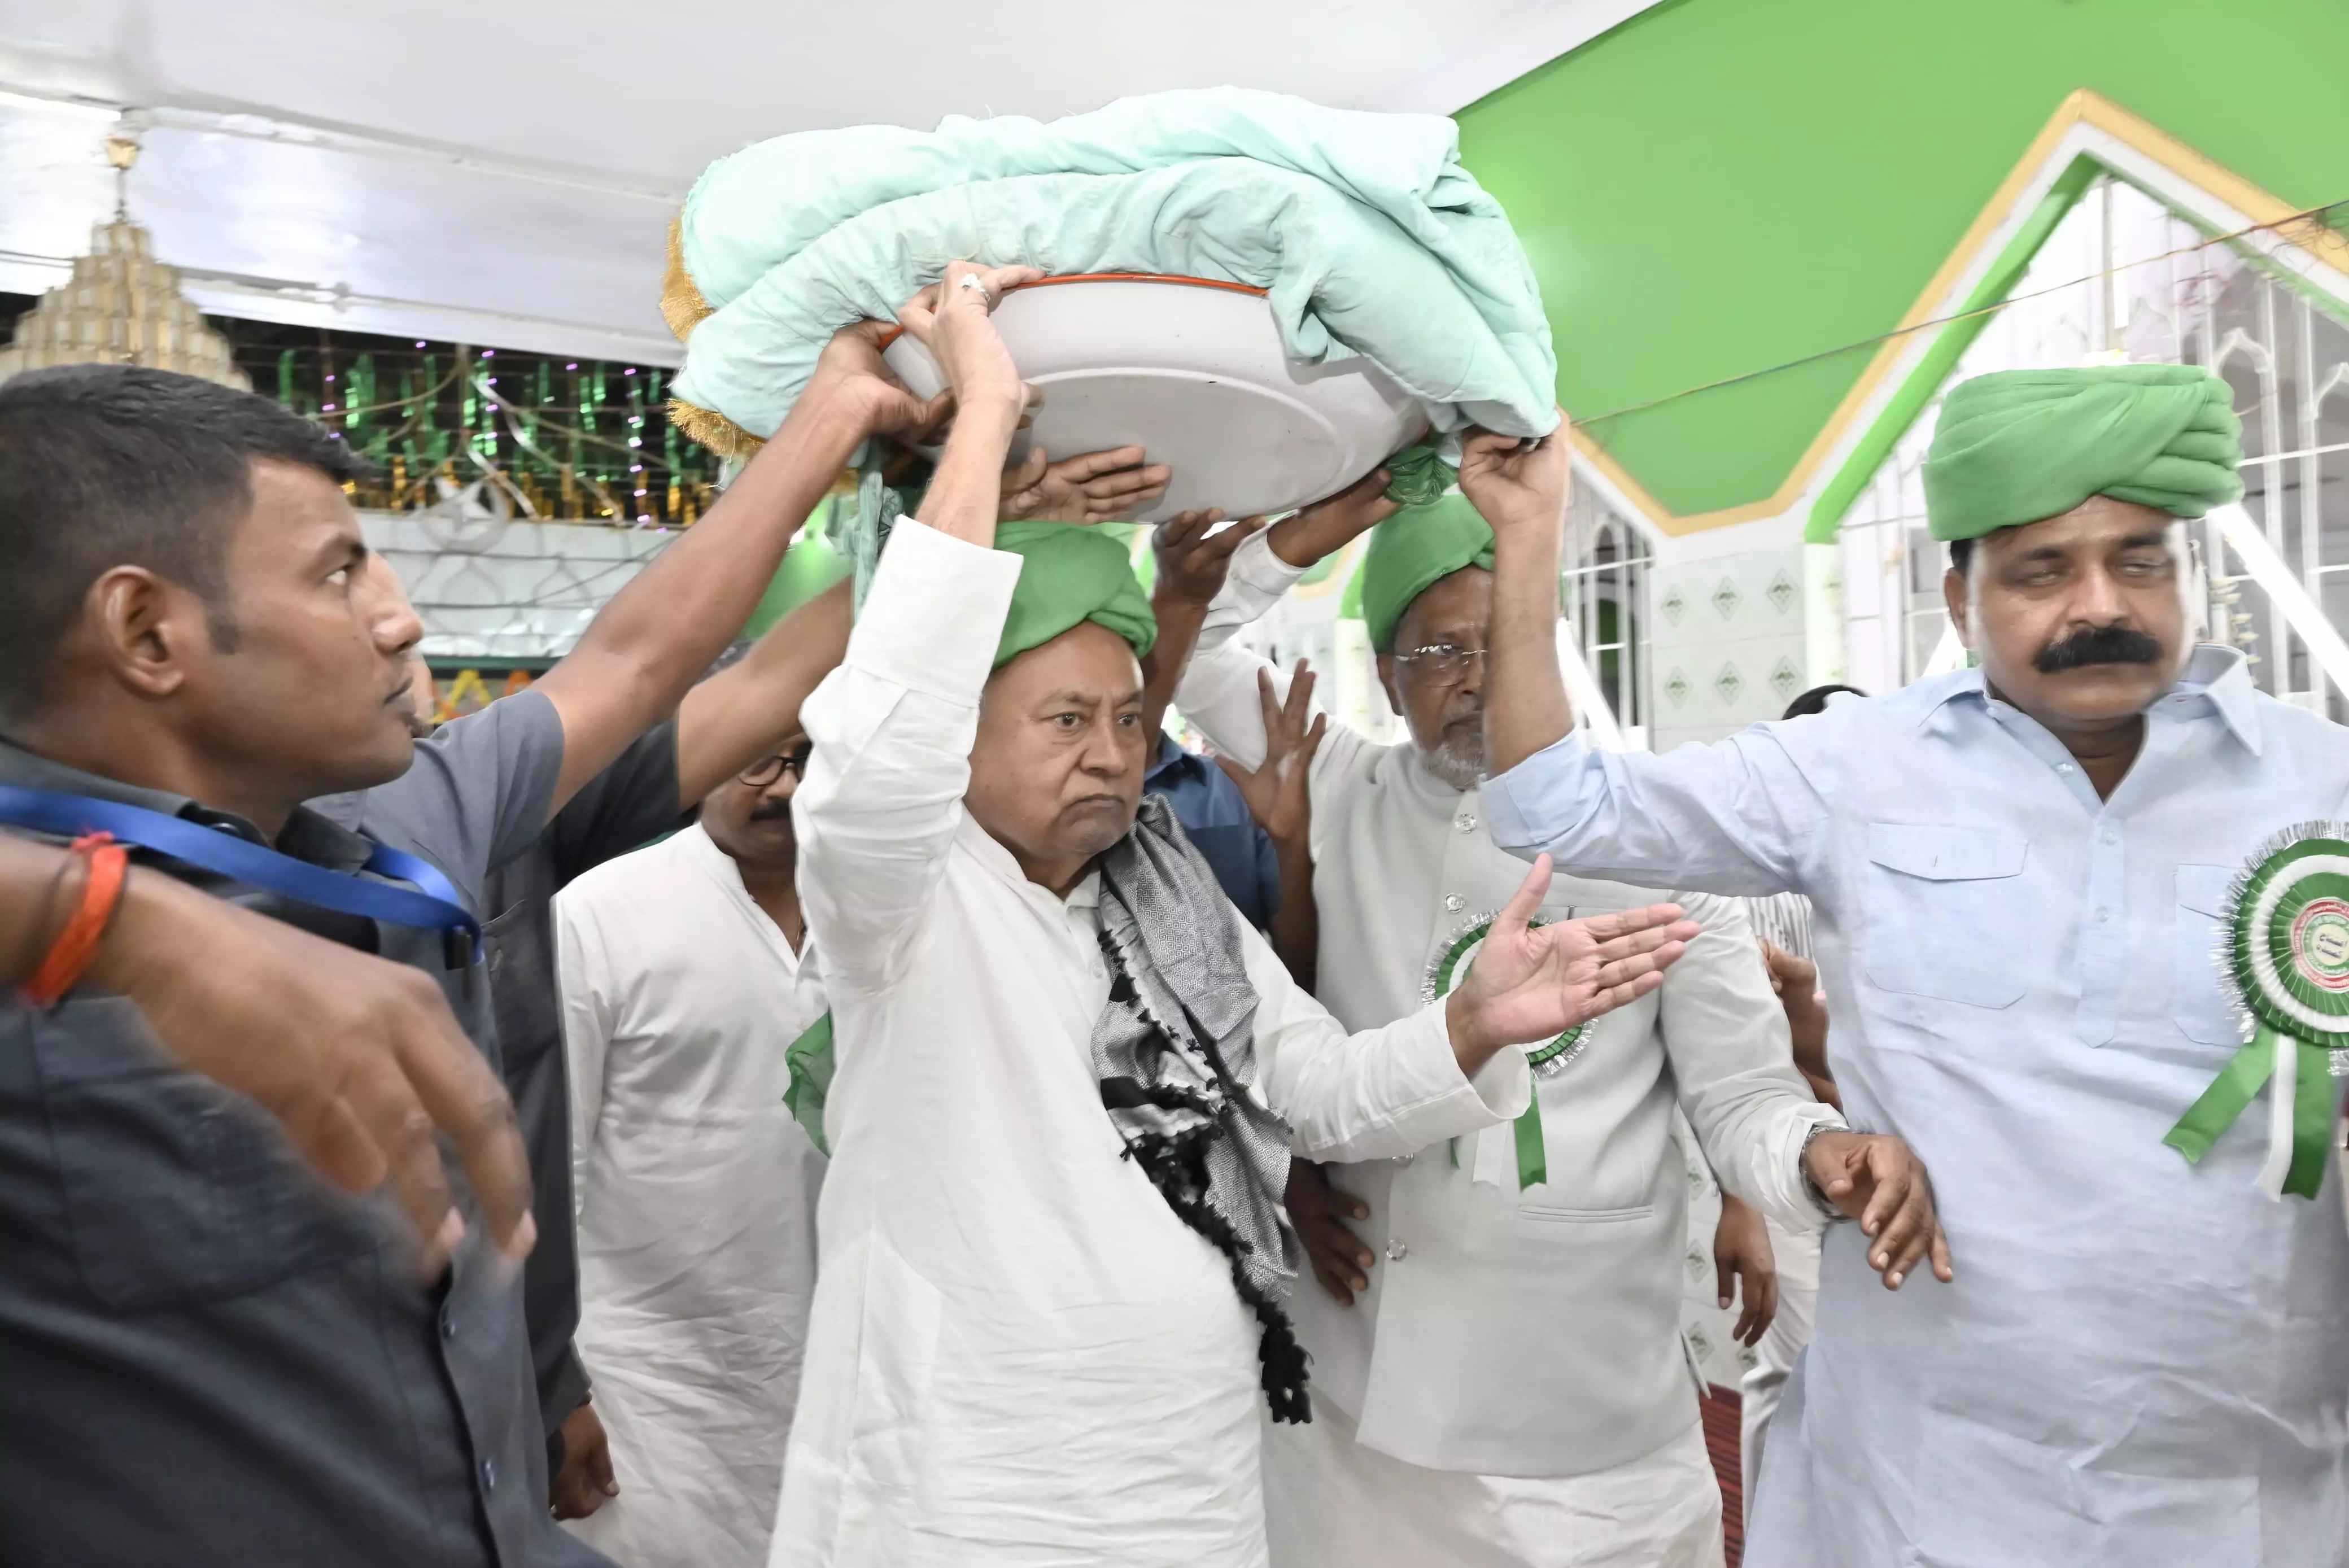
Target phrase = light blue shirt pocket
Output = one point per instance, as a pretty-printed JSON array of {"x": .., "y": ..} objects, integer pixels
[
  {"x": 1935, "y": 899},
  {"x": 2199, "y": 1001}
]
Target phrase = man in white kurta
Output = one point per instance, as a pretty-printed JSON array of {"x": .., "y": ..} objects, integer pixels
[
  {"x": 697, "y": 1194},
  {"x": 1565, "y": 1432},
  {"x": 2019, "y": 873}
]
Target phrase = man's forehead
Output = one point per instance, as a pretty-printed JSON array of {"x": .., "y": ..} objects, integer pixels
[
  {"x": 1462, "y": 601},
  {"x": 2100, "y": 522}
]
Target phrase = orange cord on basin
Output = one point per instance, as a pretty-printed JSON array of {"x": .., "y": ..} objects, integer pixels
[{"x": 896, "y": 332}]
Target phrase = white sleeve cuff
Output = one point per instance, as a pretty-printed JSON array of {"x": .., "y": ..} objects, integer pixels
[
  {"x": 935, "y": 615},
  {"x": 1255, "y": 581}
]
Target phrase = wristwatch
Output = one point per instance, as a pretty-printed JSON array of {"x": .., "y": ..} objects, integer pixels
[{"x": 1802, "y": 1164}]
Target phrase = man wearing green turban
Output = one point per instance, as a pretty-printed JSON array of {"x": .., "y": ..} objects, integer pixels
[
  {"x": 1425, "y": 1450},
  {"x": 1053, "y": 1267},
  {"x": 2022, "y": 873}
]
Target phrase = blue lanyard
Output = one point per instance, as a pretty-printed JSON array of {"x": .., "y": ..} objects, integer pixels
[{"x": 437, "y": 908}]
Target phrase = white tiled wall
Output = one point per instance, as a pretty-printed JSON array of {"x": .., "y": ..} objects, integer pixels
[
  {"x": 1728, "y": 645},
  {"x": 515, "y": 590}
]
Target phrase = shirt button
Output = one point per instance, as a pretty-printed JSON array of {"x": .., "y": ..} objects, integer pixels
[
  {"x": 2111, "y": 837},
  {"x": 448, "y": 1324},
  {"x": 1455, "y": 902},
  {"x": 2062, "y": 768},
  {"x": 489, "y": 1475},
  {"x": 2103, "y": 915},
  {"x": 1467, "y": 824},
  {"x": 1397, "y": 1252}
]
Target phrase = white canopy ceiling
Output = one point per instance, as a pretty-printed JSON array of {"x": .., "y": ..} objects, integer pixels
[{"x": 503, "y": 171}]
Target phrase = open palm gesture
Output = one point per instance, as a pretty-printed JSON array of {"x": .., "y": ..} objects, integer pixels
[
  {"x": 1275, "y": 790},
  {"x": 1531, "y": 983}
]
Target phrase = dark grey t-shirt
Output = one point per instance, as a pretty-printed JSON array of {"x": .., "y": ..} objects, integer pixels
[{"x": 207, "y": 1357}]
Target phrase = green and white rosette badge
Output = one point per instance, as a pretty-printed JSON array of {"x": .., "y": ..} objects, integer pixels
[
  {"x": 1445, "y": 973},
  {"x": 2284, "y": 954}
]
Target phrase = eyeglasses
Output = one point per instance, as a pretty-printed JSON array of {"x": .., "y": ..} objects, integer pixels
[
  {"x": 774, "y": 765},
  {"x": 1441, "y": 661}
]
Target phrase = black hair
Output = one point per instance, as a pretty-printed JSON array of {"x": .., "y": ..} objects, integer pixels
[
  {"x": 1815, "y": 700},
  {"x": 1961, "y": 555},
  {"x": 113, "y": 465}
]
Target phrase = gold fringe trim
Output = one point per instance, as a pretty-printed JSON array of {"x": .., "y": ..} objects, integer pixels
[
  {"x": 681, "y": 304},
  {"x": 712, "y": 429}
]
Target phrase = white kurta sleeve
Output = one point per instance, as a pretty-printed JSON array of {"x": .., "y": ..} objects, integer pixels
[
  {"x": 583, "y": 974},
  {"x": 1733, "y": 1061},
  {"x": 1378, "y": 1095},
  {"x": 1745, "y": 815},
  {"x": 1219, "y": 691},
  {"x": 891, "y": 729}
]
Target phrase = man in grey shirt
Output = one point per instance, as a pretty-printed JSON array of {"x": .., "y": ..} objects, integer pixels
[{"x": 212, "y": 1357}]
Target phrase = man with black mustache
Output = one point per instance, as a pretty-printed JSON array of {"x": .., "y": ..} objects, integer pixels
[
  {"x": 684, "y": 977},
  {"x": 2018, "y": 872}
]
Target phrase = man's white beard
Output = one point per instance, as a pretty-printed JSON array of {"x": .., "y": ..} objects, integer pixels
[{"x": 1460, "y": 764}]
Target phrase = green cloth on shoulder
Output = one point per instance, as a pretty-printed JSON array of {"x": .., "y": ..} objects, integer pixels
[
  {"x": 1411, "y": 551},
  {"x": 1070, "y": 574},
  {"x": 2023, "y": 446}
]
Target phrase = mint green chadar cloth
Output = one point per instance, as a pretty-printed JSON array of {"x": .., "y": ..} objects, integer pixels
[
  {"x": 2023, "y": 446},
  {"x": 1368, "y": 236}
]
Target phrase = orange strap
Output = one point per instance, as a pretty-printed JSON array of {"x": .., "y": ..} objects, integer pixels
[{"x": 70, "y": 954}]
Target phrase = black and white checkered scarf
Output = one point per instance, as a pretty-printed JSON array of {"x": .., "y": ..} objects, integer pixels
[{"x": 1175, "y": 1053}]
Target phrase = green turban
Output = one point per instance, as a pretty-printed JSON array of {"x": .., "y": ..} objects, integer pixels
[
  {"x": 1068, "y": 575},
  {"x": 1411, "y": 551},
  {"x": 2022, "y": 446}
]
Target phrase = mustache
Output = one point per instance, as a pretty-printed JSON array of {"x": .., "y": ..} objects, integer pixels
[
  {"x": 2098, "y": 645},
  {"x": 771, "y": 811}
]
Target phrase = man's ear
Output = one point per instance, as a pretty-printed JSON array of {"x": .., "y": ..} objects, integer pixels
[
  {"x": 1954, "y": 594},
  {"x": 144, "y": 630}
]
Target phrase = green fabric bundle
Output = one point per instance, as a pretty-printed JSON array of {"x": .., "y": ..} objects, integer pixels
[
  {"x": 2022, "y": 446},
  {"x": 1411, "y": 551},
  {"x": 1070, "y": 574}
]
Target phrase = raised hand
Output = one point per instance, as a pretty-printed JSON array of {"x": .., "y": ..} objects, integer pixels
[
  {"x": 1329, "y": 524},
  {"x": 1318, "y": 1210},
  {"x": 1275, "y": 790},
  {"x": 1531, "y": 982},
  {"x": 1796, "y": 982},
  {"x": 1191, "y": 562},
  {"x": 953, "y": 319},
  {"x": 1516, "y": 484},
  {"x": 1097, "y": 487},
  {"x": 1879, "y": 1182},
  {"x": 1745, "y": 1270},
  {"x": 851, "y": 369}
]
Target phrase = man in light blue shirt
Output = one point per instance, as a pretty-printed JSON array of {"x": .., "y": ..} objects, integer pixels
[{"x": 2017, "y": 870}]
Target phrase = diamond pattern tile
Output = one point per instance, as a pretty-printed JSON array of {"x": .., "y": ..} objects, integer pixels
[
  {"x": 1674, "y": 605},
  {"x": 1727, "y": 600},
  {"x": 1728, "y": 684},
  {"x": 1677, "y": 687},
  {"x": 1785, "y": 678},
  {"x": 1782, "y": 592}
]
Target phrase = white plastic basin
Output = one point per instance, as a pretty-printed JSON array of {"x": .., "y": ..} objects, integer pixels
[{"x": 1193, "y": 372}]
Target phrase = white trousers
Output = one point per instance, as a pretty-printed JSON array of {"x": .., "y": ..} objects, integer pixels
[
  {"x": 1329, "y": 1502},
  {"x": 1799, "y": 1297}
]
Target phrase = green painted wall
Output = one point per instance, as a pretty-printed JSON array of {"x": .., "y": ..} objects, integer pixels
[{"x": 1720, "y": 186}]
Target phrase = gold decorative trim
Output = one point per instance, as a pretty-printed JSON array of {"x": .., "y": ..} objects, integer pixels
[
  {"x": 712, "y": 429},
  {"x": 681, "y": 304},
  {"x": 2082, "y": 105}
]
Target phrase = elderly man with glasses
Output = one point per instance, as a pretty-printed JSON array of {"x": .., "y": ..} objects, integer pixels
[
  {"x": 684, "y": 977},
  {"x": 1564, "y": 1431}
]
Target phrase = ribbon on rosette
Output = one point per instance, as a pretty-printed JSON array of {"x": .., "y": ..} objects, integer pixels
[
  {"x": 2284, "y": 956},
  {"x": 1493, "y": 1146}
]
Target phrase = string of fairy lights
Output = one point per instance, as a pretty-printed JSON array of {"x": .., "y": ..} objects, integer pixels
[{"x": 549, "y": 437}]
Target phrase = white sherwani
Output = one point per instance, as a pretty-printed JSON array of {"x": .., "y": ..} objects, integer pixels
[
  {"x": 1020, "y": 1358},
  {"x": 1568, "y": 1433},
  {"x": 696, "y": 1196}
]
